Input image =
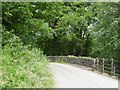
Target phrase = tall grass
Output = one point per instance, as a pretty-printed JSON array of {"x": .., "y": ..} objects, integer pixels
[{"x": 22, "y": 67}]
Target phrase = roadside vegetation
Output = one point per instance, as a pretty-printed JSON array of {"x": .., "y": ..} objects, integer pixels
[
  {"x": 33, "y": 30},
  {"x": 23, "y": 66}
]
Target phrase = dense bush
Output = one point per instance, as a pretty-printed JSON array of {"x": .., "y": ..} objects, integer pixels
[{"x": 23, "y": 66}]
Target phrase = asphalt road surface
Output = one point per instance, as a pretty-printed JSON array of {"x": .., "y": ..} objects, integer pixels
[{"x": 68, "y": 76}]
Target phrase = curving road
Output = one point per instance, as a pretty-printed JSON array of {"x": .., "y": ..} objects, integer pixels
[{"x": 67, "y": 76}]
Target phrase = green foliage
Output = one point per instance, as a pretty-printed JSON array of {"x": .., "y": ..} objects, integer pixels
[
  {"x": 105, "y": 31},
  {"x": 45, "y": 24},
  {"x": 63, "y": 28},
  {"x": 23, "y": 66},
  {"x": 56, "y": 28}
]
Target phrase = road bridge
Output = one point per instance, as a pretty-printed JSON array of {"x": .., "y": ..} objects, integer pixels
[{"x": 68, "y": 76}]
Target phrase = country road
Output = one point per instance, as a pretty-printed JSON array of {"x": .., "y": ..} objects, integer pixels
[{"x": 67, "y": 76}]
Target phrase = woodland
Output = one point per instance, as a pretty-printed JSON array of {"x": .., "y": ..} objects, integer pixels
[{"x": 33, "y": 30}]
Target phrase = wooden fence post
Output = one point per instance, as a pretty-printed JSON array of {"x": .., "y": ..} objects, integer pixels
[
  {"x": 94, "y": 65},
  {"x": 97, "y": 66},
  {"x": 112, "y": 67},
  {"x": 114, "y": 71},
  {"x": 65, "y": 59},
  {"x": 103, "y": 65}
]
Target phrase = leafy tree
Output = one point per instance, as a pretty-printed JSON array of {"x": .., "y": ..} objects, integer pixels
[
  {"x": 105, "y": 31},
  {"x": 63, "y": 28}
]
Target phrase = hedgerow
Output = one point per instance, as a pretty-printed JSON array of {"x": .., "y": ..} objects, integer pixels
[{"x": 22, "y": 66}]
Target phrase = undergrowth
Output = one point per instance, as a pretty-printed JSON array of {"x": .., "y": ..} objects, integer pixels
[{"x": 23, "y": 67}]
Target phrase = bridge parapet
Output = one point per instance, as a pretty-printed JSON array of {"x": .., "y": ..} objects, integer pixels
[
  {"x": 84, "y": 61},
  {"x": 104, "y": 66}
]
